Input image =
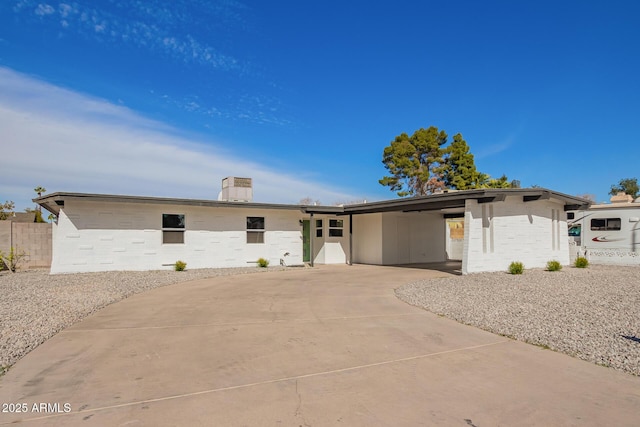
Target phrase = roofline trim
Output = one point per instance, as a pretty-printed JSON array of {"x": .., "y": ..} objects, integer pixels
[{"x": 52, "y": 202}]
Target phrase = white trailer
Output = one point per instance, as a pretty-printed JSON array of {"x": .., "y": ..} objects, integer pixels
[{"x": 606, "y": 234}]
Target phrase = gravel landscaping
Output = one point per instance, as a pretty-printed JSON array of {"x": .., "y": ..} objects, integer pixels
[
  {"x": 592, "y": 314},
  {"x": 34, "y": 305}
]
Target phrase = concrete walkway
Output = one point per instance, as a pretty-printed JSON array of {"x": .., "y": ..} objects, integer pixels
[{"x": 310, "y": 347}]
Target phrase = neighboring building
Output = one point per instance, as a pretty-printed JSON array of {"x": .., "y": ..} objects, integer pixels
[
  {"x": 22, "y": 217},
  {"x": 607, "y": 233},
  {"x": 97, "y": 232}
]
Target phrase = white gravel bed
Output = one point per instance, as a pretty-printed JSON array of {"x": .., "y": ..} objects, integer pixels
[
  {"x": 592, "y": 314},
  {"x": 34, "y": 305}
]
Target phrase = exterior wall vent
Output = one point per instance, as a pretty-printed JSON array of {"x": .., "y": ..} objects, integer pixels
[{"x": 235, "y": 189}]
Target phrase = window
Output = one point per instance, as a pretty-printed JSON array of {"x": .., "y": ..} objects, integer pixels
[
  {"x": 571, "y": 215},
  {"x": 335, "y": 227},
  {"x": 318, "y": 228},
  {"x": 173, "y": 226},
  {"x": 606, "y": 224},
  {"x": 574, "y": 231},
  {"x": 255, "y": 229}
]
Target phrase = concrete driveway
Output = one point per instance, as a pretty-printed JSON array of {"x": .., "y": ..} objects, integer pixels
[{"x": 310, "y": 347}]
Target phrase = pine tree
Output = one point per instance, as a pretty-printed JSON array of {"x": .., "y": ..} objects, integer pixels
[
  {"x": 460, "y": 171},
  {"x": 415, "y": 162}
]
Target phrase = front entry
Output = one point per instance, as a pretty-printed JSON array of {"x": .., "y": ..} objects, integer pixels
[{"x": 306, "y": 240}]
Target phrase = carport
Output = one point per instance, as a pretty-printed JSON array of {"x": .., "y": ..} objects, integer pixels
[{"x": 499, "y": 225}]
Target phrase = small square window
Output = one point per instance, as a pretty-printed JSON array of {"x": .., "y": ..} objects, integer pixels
[
  {"x": 255, "y": 229},
  {"x": 337, "y": 223},
  {"x": 173, "y": 226},
  {"x": 255, "y": 236},
  {"x": 335, "y": 227},
  {"x": 172, "y": 237},
  {"x": 255, "y": 223},
  {"x": 172, "y": 221},
  {"x": 318, "y": 228}
]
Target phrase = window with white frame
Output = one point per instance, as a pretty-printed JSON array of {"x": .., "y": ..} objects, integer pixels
[
  {"x": 335, "y": 227},
  {"x": 318, "y": 228},
  {"x": 255, "y": 229},
  {"x": 173, "y": 226}
]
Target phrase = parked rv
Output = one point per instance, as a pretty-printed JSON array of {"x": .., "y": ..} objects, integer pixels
[{"x": 606, "y": 234}]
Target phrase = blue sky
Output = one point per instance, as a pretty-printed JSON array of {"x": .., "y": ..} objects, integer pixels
[{"x": 166, "y": 98}]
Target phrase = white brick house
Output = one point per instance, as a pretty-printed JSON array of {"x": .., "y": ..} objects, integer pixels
[{"x": 97, "y": 232}]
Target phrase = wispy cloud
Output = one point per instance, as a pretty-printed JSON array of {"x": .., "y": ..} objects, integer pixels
[
  {"x": 68, "y": 141},
  {"x": 182, "y": 33},
  {"x": 154, "y": 26},
  {"x": 498, "y": 147},
  {"x": 493, "y": 149}
]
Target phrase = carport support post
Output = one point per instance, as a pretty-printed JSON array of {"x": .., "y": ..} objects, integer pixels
[
  {"x": 350, "y": 239},
  {"x": 311, "y": 228}
]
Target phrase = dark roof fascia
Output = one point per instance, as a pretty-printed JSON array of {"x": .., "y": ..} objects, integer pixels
[
  {"x": 53, "y": 202},
  {"x": 331, "y": 210},
  {"x": 457, "y": 199}
]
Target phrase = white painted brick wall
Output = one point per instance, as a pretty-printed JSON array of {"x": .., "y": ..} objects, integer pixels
[
  {"x": 521, "y": 232},
  {"x": 94, "y": 236}
]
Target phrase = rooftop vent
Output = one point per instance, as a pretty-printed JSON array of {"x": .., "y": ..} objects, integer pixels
[{"x": 235, "y": 189}]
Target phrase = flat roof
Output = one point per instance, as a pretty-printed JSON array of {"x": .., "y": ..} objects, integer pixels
[
  {"x": 446, "y": 200},
  {"x": 456, "y": 199},
  {"x": 55, "y": 201}
]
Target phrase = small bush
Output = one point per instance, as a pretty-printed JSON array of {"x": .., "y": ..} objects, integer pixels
[
  {"x": 554, "y": 266},
  {"x": 581, "y": 262},
  {"x": 11, "y": 262},
  {"x": 516, "y": 267},
  {"x": 264, "y": 263},
  {"x": 180, "y": 265}
]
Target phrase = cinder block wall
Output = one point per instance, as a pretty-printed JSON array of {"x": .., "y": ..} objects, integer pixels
[
  {"x": 513, "y": 230},
  {"x": 5, "y": 236},
  {"x": 32, "y": 238}
]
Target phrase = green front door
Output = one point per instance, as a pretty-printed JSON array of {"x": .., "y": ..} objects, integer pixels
[{"x": 306, "y": 240}]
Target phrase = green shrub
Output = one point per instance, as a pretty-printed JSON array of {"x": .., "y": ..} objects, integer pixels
[
  {"x": 554, "y": 265},
  {"x": 11, "y": 261},
  {"x": 264, "y": 263},
  {"x": 180, "y": 266},
  {"x": 516, "y": 267},
  {"x": 38, "y": 217},
  {"x": 581, "y": 262}
]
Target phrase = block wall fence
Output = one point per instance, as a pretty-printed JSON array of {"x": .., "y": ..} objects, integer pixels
[{"x": 35, "y": 239}]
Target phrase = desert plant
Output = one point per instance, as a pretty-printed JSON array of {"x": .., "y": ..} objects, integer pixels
[
  {"x": 516, "y": 267},
  {"x": 11, "y": 261},
  {"x": 554, "y": 265},
  {"x": 264, "y": 263},
  {"x": 581, "y": 262},
  {"x": 38, "y": 217},
  {"x": 180, "y": 265}
]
